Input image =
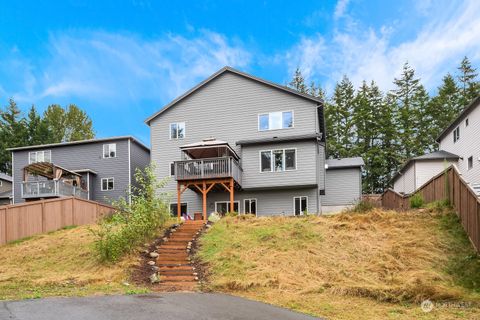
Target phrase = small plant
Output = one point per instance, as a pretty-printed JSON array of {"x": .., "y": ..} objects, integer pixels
[
  {"x": 214, "y": 217},
  {"x": 363, "y": 206},
  {"x": 135, "y": 222},
  {"x": 416, "y": 201}
]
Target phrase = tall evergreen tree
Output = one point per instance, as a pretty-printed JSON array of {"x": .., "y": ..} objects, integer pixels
[
  {"x": 13, "y": 133},
  {"x": 410, "y": 99},
  {"x": 467, "y": 81},
  {"x": 298, "y": 82},
  {"x": 38, "y": 132}
]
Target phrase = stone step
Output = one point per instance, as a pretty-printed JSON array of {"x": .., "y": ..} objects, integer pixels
[
  {"x": 172, "y": 263},
  {"x": 172, "y": 251},
  {"x": 175, "y": 272},
  {"x": 173, "y": 246}
]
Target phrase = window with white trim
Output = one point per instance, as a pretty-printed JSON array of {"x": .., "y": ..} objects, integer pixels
[
  {"x": 223, "y": 207},
  {"x": 250, "y": 206},
  {"x": 278, "y": 160},
  {"x": 275, "y": 120},
  {"x": 110, "y": 150},
  {"x": 177, "y": 130},
  {"x": 456, "y": 134},
  {"x": 40, "y": 156},
  {"x": 107, "y": 184},
  {"x": 300, "y": 205}
]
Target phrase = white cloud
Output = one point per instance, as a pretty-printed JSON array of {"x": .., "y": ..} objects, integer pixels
[
  {"x": 369, "y": 54},
  {"x": 119, "y": 67},
  {"x": 340, "y": 8}
]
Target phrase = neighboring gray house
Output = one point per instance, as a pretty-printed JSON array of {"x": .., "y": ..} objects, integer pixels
[
  {"x": 98, "y": 169},
  {"x": 418, "y": 170},
  {"x": 238, "y": 142},
  {"x": 458, "y": 144},
  {"x": 5, "y": 189}
]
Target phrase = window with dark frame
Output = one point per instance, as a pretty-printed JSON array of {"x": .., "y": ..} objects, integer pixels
[
  {"x": 470, "y": 162},
  {"x": 300, "y": 205},
  {"x": 466, "y": 122},
  {"x": 174, "y": 209},
  {"x": 172, "y": 168}
]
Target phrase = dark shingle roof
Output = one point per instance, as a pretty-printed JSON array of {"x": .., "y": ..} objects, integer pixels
[{"x": 345, "y": 163}]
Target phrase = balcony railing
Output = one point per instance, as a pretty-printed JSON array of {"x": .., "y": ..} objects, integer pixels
[
  {"x": 225, "y": 167},
  {"x": 51, "y": 188}
]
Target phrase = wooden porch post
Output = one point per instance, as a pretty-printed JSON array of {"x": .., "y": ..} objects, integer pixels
[
  {"x": 204, "y": 196},
  {"x": 179, "y": 204},
  {"x": 232, "y": 207}
]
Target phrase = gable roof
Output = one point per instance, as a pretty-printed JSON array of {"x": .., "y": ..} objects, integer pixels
[
  {"x": 40, "y": 146},
  {"x": 345, "y": 163},
  {"x": 469, "y": 108},
  {"x": 237, "y": 72},
  {"x": 436, "y": 155}
]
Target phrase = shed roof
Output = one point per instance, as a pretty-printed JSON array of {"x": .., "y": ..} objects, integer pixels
[
  {"x": 237, "y": 72},
  {"x": 345, "y": 163}
]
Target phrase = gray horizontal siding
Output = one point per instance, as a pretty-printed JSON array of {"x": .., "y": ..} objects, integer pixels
[
  {"x": 6, "y": 186},
  {"x": 85, "y": 156},
  {"x": 140, "y": 159},
  {"x": 227, "y": 108},
  {"x": 343, "y": 187}
]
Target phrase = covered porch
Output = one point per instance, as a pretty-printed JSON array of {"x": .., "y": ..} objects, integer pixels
[
  {"x": 57, "y": 182},
  {"x": 209, "y": 165}
]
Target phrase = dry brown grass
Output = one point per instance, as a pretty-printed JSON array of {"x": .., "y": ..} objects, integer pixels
[
  {"x": 60, "y": 263},
  {"x": 349, "y": 266}
]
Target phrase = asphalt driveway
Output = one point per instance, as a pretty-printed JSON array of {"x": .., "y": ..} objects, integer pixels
[{"x": 175, "y": 306}]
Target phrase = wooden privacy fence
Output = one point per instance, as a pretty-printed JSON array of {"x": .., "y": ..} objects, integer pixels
[
  {"x": 26, "y": 219},
  {"x": 446, "y": 185}
]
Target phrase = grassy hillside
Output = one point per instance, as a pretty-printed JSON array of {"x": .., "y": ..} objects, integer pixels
[
  {"x": 350, "y": 266},
  {"x": 59, "y": 264}
]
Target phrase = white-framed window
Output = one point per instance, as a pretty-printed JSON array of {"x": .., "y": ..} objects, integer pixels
[
  {"x": 39, "y": 156},
  {"x": 224, "y": 206},
  {"x": 177, "y": 130},
  {"x": 110, "y": 150},
  {"x": 456, "y": 134},
  {"x": 107, "y": 184},
  {"x": 172, "y": 168},
  {"x": 278, "y": 160},
  {"x": 300, "y": 205},
  {"x": 250, "y": 206},
  {"x": 275, "y": 120},
  {"x": 470, "y": 162}
]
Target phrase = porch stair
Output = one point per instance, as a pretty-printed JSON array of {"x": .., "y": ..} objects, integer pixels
[{"x": 176, "y": 272}]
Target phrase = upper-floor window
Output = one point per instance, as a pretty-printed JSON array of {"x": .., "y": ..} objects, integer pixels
[
  {"x": 470, "y": 162},
  {"x": 40, "y": 156},
  {"x": 466, "y": 122},
  {"x": 107, "y": 184},
  {"x": 172, "y": 168},
  {"x": 275, "y": 120},
  {"x": 110, "y": 150},
  {"x": 456, "y": 134},
  {"x": 278, "y": 160},
  {"x": 177, "y": 130}
]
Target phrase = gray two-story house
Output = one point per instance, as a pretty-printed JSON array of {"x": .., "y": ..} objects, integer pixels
[
  {"x": 98, "y": 169},
  {"x": 239, "y": 143},
  {"x": 5, "y": 189}
]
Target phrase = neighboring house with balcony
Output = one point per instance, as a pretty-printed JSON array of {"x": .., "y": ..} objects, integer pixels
[
  {"x": 5, "y": 189},
  {"x": 236, "y": 142},
  {"x": 98, "y": 169},
  {"x": 458, "y": 144}
]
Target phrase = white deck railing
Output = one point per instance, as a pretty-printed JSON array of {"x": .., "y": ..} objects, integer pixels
[
  {"x": 51, "y": 188},
  {"x": 210, "y": 168}
]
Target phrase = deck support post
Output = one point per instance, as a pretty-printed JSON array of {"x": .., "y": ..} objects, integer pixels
[
  {"x": 232, "y": 207},
  {"x": 179, "y": 204},
  {"x": 204, "y": 196}
]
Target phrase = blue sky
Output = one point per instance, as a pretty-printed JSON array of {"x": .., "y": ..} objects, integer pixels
[{"x": 123, "y": 60}]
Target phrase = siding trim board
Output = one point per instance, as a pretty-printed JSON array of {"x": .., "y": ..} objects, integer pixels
[{"x": 316, "y": 136}]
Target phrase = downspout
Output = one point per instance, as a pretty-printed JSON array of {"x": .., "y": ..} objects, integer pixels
[
  {"x": 129, "y": 175},
  {"x": 13, "y": 180}
]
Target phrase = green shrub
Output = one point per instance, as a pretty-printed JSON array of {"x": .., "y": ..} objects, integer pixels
[
  {"x": 214, "y": 217},
  {"x": 416, "y": 201},
  {"x": 132, "y": 224}
]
